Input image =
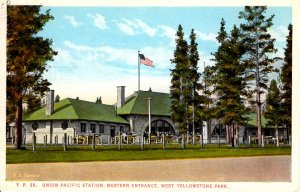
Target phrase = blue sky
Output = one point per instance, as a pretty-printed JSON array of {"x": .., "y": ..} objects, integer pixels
[{"x": 97, "y": 46}]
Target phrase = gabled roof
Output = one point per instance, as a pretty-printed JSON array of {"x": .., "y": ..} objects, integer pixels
[
  {"x": 72, "y": 109},
  {"x": 138, "y": 104},
  {"x": 252, "y": 123}
]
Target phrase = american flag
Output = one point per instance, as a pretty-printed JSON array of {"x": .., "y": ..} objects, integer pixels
[{"x": 145, "y": 60}]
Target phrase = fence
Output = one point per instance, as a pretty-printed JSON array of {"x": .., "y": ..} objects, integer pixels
[{"x": 163, "y": 140}]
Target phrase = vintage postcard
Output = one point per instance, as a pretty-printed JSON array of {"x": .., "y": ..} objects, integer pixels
[{"x": 149, "y": 96}]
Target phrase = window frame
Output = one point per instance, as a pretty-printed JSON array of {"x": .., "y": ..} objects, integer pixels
[
  {"x": 122, "y": 128},
  {"x": 35, "y": 126},
  {"x": 101, "y": 128},
  {"x": 93, "y": 128},
  {"x": 63, "y": 125},
  {"x": 83, "y": 127}
]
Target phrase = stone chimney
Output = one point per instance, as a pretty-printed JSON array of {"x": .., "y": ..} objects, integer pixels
[
  {"x": 120, "y": 96},
  {"x": 50, "y": 102}
]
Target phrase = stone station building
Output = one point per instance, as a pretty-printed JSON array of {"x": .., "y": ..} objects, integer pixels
[
  {"x": 74, "y": 117},
  {"x": 82, "y": 118},
  {"x": 130, "y": 116}
]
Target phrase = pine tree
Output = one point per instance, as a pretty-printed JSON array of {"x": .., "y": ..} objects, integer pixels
[
  {"x": 99, "y": 100},
  {"x": 209, "y": 81},
  {"x": 178, "y": 81},
  {"x": 208, "y": 110},
  {"x": 27, "y": 55},
  {"x": 273, "y": 106},
  {"x": 286, "y": 79},
  {"x": 180, "y": 88},
  {"x": 229, "y": 79},
  {"x": 57, "y": 98},
  {"x": 196, "y": 100},
  {"x": 259, "y": 45}
]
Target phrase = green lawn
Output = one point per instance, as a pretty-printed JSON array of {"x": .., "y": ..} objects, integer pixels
[{"x": 133, "y": 152}]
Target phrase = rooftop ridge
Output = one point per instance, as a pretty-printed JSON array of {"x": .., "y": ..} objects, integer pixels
[
  {"x": 153, "y": 92},
  {"x": 71, "y": 100},
  {"x": 79, "y": 100}
]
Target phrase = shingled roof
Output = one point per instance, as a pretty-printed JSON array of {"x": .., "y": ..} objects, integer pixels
[
  {"x": 73, "y": 109},
  {"x": 137, "y": 104}
]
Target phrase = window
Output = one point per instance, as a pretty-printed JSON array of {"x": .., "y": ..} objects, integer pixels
[
  {"x": 101, "y": 128},
  {"x": 64, "y": 125},
  {"x": 83, "y": 127},
  {"x": 122, "y": 129},
  {"x": 160, "y": 126},
  {"x": 35, "y": 125},
  {"x": 93, "y": 128}
]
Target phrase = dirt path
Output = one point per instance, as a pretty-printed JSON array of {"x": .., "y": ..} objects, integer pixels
[{"x": 272, "y": 168}]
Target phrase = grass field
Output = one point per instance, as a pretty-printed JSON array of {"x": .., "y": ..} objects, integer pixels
[{"x": 133, "y": 152}]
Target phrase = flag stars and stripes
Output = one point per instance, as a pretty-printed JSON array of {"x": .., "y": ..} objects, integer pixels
[{"x": 144, "y": 60}]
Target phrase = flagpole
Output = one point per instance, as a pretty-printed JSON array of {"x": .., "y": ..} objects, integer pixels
[{"x": 138, "y": 70}]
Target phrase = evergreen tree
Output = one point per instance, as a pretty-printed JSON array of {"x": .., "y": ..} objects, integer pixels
[
  {"x": 179, "y": 80},
  {"x": 273, "y": 105},
  {"x": 208, "y": 111},
  {"x": 196, "y": 100},
  {"x": 286, "y": 79},
  {"x": 27, "y": 55},
  {"x": 259, "y": 45},
  {"x": 57, "y": 98},
  {"x": 229, "y": 78},
  {"x": 209, "y": 81},
  {"x": 99, "y": 100}
]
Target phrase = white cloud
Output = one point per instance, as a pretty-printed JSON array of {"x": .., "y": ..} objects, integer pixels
[
  {"x": 168, "y": 32},
  {"x": 146, "y": 28},
  {"x": 126, "y": 28},
  {"x": 72, "y": 21},
  {"x": 107, "y": 54},
  {"x": 99, "y": 20},
  {"x": 130, "y": 23},
  {"x": 132, "y": 27},
  {"x": 206, "y": 37},
  {"x": 63, "y": 57},
  {"x": 280, "y": 33}
]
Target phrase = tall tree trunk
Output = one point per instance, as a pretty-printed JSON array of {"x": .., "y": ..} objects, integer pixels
[
  {"x": 232, "y": 135},
  {"x": 287, "y": 134},
  {"x": 227, "y": 134},
  {"x": 183, "y": 141},
  {"x": 258, "y": 110},
  {"x": 18, "y": 126},
  {"x": 208, "y": 130},
  {"x": 258, "y": 103},
  {"x": 236, "y": 135}
]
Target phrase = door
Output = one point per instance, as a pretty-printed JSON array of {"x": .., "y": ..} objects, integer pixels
[{"x": 112, "y": 131}]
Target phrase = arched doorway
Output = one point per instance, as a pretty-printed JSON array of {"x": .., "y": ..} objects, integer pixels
[{"x": 160, "y": 126}]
